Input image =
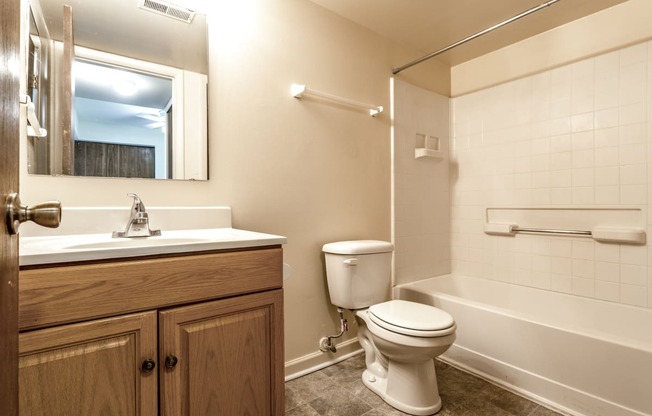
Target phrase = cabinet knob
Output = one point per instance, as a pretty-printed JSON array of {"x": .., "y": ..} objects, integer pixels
[
  {"x": 148, "y": 365},
  {"x": 171, "y": 361}
]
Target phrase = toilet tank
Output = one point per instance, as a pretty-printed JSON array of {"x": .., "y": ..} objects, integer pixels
[{"x": 358, "y": 272}]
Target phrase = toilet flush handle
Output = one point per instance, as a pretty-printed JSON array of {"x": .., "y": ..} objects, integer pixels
[{"x": 351, "y": 262}]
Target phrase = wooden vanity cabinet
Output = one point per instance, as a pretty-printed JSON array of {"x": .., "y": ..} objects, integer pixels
[
  {"x": 89, "y": 368},
  {"x": 214, "y": 354},
  {"x": 218, "y": 358}
]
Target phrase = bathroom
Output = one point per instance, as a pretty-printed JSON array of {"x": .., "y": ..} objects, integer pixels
[{"x": 331, "y": 168}]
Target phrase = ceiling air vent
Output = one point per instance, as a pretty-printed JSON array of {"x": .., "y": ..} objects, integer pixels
[{"x": 167, "y": 9}]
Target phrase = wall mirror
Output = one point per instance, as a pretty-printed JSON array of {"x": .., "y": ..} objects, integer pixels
[{"x": 118, "y": 88}]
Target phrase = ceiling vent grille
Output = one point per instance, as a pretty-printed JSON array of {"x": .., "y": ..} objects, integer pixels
[{"x": 167, "y": 9}]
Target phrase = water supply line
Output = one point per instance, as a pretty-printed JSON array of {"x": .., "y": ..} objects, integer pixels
[
  {"x": 469, "y": 38},
  {"x": 326, "y": 343}
]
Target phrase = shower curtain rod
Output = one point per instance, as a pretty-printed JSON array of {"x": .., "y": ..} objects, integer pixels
[{"x": 460, "y": 42}]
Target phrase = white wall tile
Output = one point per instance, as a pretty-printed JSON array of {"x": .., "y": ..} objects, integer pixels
[
  {"x": 583, "y": 158},
  {"x": 632, "y": 154},
  {"x": 561, "y": 178},
  {"x": 607, "y": 195},
  {"x": 607, "y": 118},
  {"x": 607, "y": 272},
  {"x": 606, "y": 137},
  {"x": 559, "y": 161},
  {"x": 633, "y": 275},
  {"x": 583, "y": 195},
  {"x": 607, "y": 291},
  {"x": 574, "y": 136},
  {"x": 633, "y": 295},
  {"x": 561, "y": 283},
  {"x": 583, "y": 287},
  {"x": 633, "y": 174},
  {"x": 583, "y": 250},
  {"x": 607, "y": 156},
  {"x": 582, "y": 123},
  {"x": 583, "y": 268},
  {"x": 606, "y": 90},
  {"x": 607, "y": 252},
  {"x": 561, "y": 265},
  {"x": 633, "y": 194},
  {"x": 583, "y": 177},
  {"x": 632, "y": 113},
  {"x": 541, "y": 280},
  {"x": 636, "y": 255},
  {"x": 609, "y": 175},
  {"x": 633, "y": 83}
]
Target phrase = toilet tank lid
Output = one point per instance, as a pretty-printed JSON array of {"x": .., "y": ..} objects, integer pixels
[{"x": 358, "y": 247}]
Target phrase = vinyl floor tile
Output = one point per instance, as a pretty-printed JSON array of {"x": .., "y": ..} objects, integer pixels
[{"x": 338, "y": 391}]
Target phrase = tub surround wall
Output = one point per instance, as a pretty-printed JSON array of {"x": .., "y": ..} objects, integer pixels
[
  {"x": 574, "y": 136},
  {"x": 421, "y": 205}
]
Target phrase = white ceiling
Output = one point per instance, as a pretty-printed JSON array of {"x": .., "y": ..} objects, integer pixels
[
  {"x": 429, "y": 25},
  {"x": 122, "y": 28}
]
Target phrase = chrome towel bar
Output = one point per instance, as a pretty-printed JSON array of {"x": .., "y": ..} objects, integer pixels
[
  {"x": 602, "y": 234},
  {"x": 553, "y": 231}
]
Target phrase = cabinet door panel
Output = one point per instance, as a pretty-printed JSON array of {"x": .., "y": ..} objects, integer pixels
[
  {"x": 230, "y": 357},
  {"x": 90, "y": 368}
]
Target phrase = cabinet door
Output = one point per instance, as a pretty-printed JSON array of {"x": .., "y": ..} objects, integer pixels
[
  {"x": 230, "y": 357},
  {"x": 89, "y": 368}
]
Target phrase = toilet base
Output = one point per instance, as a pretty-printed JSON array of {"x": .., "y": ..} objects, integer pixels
[{"x": 408, "y": 387}]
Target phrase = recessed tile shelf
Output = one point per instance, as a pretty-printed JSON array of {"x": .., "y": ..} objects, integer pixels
[
  {"x": 422, "y": 152},
  {"x": 427, "y": 146}
]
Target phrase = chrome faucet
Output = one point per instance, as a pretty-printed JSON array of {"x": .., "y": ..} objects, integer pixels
[{"x": 138, "y": 225}]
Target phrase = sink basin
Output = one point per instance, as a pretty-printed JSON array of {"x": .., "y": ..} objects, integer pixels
[{"x": 84, "y": 247}]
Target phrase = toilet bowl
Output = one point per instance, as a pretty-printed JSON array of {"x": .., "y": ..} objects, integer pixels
[
  {"x": 400, "y": 366},
  {"x": 400, "y": 338}
]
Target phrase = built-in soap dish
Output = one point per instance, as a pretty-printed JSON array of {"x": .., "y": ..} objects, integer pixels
[{"x": 428, "y": 146}]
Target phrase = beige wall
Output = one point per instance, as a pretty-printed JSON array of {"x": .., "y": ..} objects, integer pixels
[
  {"x": 312, "y": 171},
  {"x": 625, "y": 24}
]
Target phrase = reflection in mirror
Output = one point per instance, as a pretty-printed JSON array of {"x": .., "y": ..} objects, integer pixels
[
  {"x": 139, "y": 100},
  {"x": 123, "y": 113},
  {"x": 37, "y": 84}
]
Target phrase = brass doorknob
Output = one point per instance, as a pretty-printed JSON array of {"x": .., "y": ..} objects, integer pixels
[{"x": 46, "y": 214}]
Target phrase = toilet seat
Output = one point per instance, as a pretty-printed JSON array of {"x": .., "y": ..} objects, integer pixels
[{"x": 411, "y": 318}]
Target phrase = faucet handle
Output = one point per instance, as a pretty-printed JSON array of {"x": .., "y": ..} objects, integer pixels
[{"x": 138, "y": 205}]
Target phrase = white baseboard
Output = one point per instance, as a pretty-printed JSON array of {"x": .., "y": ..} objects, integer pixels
[{"x": 318, "y": 360}]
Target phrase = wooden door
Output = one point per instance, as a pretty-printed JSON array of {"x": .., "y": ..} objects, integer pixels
[
  {"x": 90, "y": 368},
  {"x": 9, "y": 132},
  {"x": 230, "y": 357}
]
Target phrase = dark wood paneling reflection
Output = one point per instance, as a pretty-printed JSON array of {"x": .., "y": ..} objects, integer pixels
[{"x": 113, "y": 160}]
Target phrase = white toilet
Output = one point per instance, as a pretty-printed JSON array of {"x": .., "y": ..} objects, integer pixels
[{"x": 400, "y": 338}]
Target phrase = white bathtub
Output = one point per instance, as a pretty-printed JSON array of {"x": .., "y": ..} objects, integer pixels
[{"x": 580, "y": 356}]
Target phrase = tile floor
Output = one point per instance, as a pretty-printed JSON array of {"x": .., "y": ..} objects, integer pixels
[{"x": 338, "y": 391}]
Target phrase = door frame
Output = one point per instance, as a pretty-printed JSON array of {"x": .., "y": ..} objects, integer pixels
[{"x": 9, "y": 181}]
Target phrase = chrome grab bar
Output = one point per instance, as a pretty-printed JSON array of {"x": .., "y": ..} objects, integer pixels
[{"x": 552, "y": 231}]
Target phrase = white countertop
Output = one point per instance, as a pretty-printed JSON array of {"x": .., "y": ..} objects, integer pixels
[{"x": 83, "y": 247}]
